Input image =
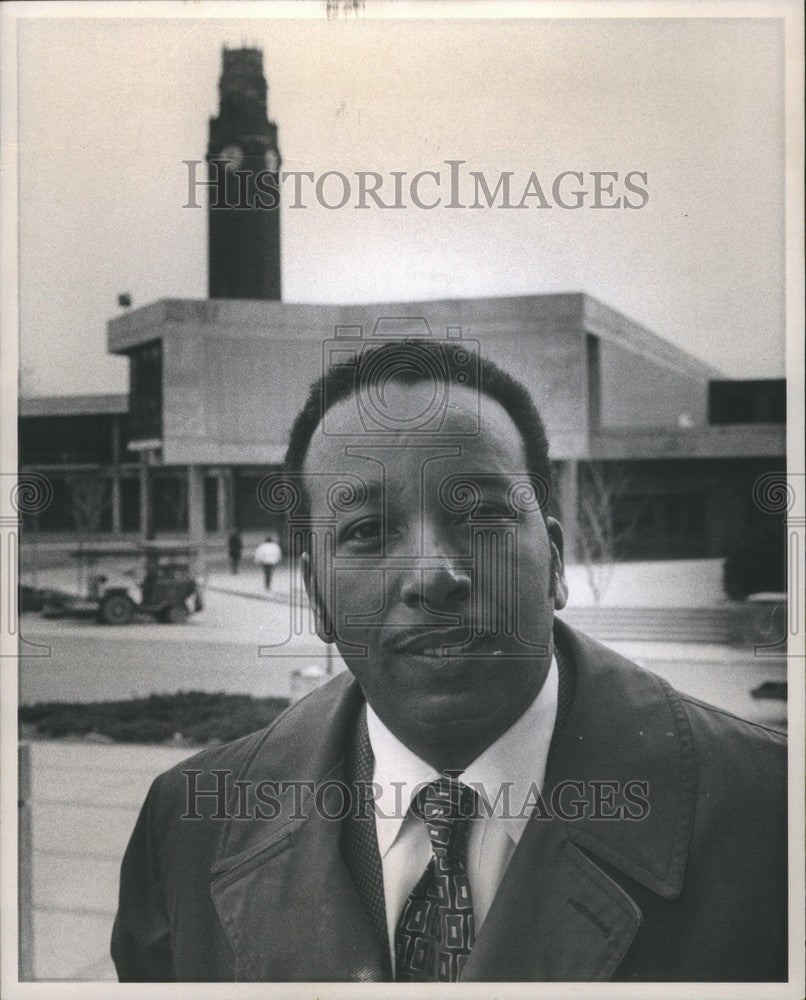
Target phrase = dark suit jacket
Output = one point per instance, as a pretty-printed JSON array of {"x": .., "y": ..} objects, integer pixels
[{"x": 695, "y": 890}]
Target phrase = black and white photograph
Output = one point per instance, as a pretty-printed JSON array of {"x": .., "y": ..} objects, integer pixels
[{"x": 402, "y": 499}]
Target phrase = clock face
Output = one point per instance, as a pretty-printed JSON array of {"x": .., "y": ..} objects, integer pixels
[
  {"x": 272, "y": 161},
  {"x": 232, "y": 156}
]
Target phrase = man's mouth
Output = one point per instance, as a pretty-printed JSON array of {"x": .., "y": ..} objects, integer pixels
[{"x": 430, "y": 641}]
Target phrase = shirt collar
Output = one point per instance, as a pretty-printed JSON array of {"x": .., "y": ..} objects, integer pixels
[
  {"x": 399, "y": 773},
  {"x": 516, "y": 761}
]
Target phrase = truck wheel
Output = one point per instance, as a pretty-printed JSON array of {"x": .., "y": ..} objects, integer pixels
[
  {"x": 174, "y": 614},
  {"x": 117, "y": 609}
]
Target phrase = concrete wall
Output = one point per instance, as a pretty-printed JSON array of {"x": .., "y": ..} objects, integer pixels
[
  {"x": 725, "y": 441},
  {"x": 638, "y": 392},
  {"x": 539, "y": 339},
  {"x": 644, "y": 380},
  {"x": 234, "y": 376},
  {"x": 236, "y": 373}
]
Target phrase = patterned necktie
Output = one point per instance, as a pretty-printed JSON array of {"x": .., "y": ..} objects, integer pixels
[{"x": 435, "y": 931}]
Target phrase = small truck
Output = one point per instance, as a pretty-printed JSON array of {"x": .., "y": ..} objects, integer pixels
[{"x": 167, "y": 589}]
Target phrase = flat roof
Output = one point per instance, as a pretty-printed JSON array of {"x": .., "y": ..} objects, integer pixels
[
  {"x": 307, "y": 321},
  {"x": 74, "y": 406}
]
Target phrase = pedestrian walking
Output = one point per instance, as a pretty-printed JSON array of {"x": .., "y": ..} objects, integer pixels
[
  {"x": 268, "y": 554},
  {"x": 235, "y": 545}
]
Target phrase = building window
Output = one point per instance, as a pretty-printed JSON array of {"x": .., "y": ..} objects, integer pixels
[
  {"x": 749, "y": 401},
  {"x": 250, "y": 512},
  {"x": 211, "y": 504},
  {"x": 145, "y": 392},
  {"x": 660, "y": 526},
  {"x": 594, "y": 367},
  {"x": 169, "y": 502},
  {"x": 130, "y": 504},
  {"x": 84, "y": 439},
  {"x": 682, "y": 515},
  {"x": 56, "y": 516}
]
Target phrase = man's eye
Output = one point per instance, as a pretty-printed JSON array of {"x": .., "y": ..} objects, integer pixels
[{"x": 370, "y": 529}]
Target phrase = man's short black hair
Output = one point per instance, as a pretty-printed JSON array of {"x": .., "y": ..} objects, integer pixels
[{"x": 404, "y": 359}]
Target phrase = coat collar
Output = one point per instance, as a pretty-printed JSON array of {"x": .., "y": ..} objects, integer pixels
[{"x": 291, "y": 911}]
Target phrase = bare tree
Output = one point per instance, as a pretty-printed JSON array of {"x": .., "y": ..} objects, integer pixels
[
  {"x": 89, "y": 499},
  {"x": 177, "y": 503},
  {"x": 603, "y": 486}
]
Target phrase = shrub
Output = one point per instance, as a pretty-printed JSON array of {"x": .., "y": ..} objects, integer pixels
[
  {"x": 755, "y": 564},
  {"x": 198, "y": 716}
]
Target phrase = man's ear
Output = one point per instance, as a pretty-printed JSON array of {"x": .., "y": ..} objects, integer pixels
[
  {"x": 559, "y": 583},
  {"x": 321, "y": 617}
]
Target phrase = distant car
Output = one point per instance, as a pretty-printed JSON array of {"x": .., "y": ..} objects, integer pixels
[{"x": 168, "y": 590}]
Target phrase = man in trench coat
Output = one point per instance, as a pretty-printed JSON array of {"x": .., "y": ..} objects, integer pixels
[{"x": 653, "y": 849}]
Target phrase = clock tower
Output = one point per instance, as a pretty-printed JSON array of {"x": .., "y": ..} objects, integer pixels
[{"x": 243, "y": 168}]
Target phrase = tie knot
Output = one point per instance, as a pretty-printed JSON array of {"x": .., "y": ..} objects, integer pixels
[{"x": 446, "y": 806}]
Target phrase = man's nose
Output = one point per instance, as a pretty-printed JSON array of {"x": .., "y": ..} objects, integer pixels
[{"x": 438, "y": 578}]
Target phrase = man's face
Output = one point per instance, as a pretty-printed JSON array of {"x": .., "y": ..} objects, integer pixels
[{"x": 442, "y": 588}]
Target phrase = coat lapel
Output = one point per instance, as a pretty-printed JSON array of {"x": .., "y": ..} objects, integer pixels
[
  {"x": 626, "y": 730},
  {"x": 558, "y": 916},
  {"x": 281, "y": 888}
]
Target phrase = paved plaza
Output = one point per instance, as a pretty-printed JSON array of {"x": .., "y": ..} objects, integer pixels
[{"x": 85, "y": 800}]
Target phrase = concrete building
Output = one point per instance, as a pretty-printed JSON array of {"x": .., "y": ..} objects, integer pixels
[{"x": 215, "y": 385}]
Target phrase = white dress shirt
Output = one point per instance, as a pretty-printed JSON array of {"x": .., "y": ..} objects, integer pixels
[{"x": 516, "y": 760}]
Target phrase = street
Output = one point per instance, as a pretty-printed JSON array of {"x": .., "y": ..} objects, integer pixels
[
  {"x": 243, "y": 642},
  {"x": 227, "y": 647}
]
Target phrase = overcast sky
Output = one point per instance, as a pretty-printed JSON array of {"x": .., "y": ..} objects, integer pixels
[{"x": 110, "y": 109}]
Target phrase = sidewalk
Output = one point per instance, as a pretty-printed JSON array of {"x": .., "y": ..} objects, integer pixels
[
  {"x": 84, "y": 803},
  {"x": 248, "y": 582}
]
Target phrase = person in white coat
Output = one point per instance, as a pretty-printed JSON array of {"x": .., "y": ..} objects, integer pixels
[{"x": 268, "y": 554}]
